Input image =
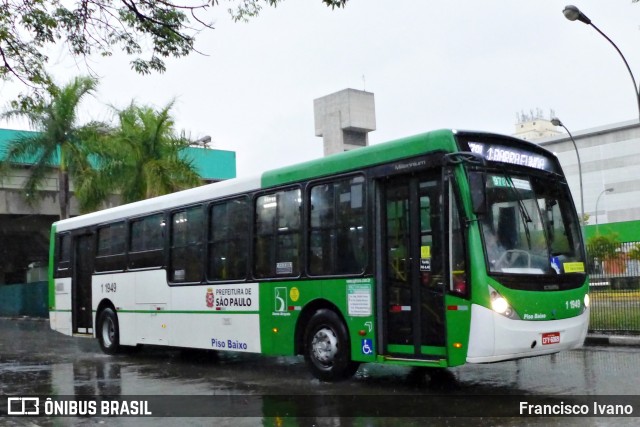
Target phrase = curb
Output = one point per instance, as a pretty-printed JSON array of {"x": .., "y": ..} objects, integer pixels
[{"x": 612, "y": 340}]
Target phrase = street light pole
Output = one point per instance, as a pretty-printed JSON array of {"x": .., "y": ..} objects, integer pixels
[
  {"x": 606, "y": 190},
  {"x": 556, "y": 122},
  {"x": 572, "y": 13}
]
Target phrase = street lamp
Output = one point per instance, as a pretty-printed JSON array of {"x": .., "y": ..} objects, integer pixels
[
  {"x": 572, "y": 13},
  {"x": 202, "y": 141},
  {"x": 606, "y": 190},
  {"x": 556, "y": 122}
]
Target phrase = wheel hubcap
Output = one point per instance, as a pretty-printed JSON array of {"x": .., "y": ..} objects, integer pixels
[
  {"x": 324, "y": 346},
  {"x": 108, "y": 332}
]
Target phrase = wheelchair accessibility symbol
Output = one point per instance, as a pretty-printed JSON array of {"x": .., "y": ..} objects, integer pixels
[{"x": 367, "y": 346}]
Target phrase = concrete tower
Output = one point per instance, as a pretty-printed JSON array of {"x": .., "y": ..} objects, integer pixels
[{"x": 343, "y": 119}]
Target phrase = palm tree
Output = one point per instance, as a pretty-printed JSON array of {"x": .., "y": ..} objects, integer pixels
[
  {"x": 58, "y": 142},
  {"x": 144, "y": 158}
]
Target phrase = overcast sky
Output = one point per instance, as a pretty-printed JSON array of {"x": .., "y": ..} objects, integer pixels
[{"x": 434, "y": 64}]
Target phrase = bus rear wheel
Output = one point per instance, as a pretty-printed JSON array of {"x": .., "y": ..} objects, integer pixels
[
  {"x": 327, "y": 347},
  {"x": 108, "y": 331}
]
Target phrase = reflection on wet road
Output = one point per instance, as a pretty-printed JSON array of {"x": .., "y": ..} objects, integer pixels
[{"x": 37, "y": 361}]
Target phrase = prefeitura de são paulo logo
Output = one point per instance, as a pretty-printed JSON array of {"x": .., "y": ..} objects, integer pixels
[{"x": 210, "y": 297}]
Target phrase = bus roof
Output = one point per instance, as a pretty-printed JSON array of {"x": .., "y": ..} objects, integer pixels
[
  {"x": 440, "y": 140},
  {"x": 368, "y": 156},
  {"x": 156, "y": 204}
]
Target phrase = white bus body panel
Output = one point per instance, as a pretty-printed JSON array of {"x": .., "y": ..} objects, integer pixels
[
  {"x": 194, "y": 316},
  {"x": 495, "y": 338},
  {"x": 152, "y": 285},
  {"x": 61, "y": 320}
]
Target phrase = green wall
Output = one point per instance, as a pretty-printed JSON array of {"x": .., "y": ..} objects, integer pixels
[
  {"x": 628, "y": 231},
  {"x": 211, "y": 164},
  {"x": 24, "y": 299}
]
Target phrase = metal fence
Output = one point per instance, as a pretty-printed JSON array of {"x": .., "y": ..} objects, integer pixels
[{"x": 614, "y": 273}]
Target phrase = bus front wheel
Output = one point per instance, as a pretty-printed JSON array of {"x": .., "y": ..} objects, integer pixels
[
  {"x": 108, "y": 331},
  {"x": 327, "y": 347}
]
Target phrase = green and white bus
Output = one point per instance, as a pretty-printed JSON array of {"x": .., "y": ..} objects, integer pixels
[{"x": 435, "y": 250}]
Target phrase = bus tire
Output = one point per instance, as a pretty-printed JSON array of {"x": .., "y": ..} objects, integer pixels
[
  {"x": 108, "y": 331},
  {"x": 327, "y": 347}
]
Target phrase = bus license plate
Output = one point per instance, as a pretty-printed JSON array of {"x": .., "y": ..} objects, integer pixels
[{"x": 551, "y": 338}]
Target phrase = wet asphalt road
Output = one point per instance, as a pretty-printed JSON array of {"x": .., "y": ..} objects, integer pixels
[{"x": 37, "y": 361}]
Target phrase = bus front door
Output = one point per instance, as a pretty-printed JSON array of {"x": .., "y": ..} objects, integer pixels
[
  {"x": 412, "y": 267},
  {"x": 81, "y": 285}
]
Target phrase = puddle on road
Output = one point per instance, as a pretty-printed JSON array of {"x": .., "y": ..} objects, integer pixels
[{"x": 37, "y": 361}]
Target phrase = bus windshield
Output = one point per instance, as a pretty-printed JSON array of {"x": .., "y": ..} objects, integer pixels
[{"x": 530, "y": 227}]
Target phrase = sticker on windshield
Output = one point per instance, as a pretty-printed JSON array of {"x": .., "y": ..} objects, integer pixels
[
  {"x": 425, "y": 251},
  {"x": 502, "y": 181},
  {"x": 573, "y": 267}
]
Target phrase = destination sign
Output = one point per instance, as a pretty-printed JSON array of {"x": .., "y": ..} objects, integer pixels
[{"x": 514, "y": 156}]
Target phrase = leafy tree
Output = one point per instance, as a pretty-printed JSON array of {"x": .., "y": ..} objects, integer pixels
[
  {"x": 59, "y": 140},
  {"x": 149, "y": 30},
  {"x": 141, "y": 158},
  {"x": 603, "y": 246},
  {"x": 634, "y": 253},
  {"x": 246, "y": 9},
  {"x": 584, "y": 220}
]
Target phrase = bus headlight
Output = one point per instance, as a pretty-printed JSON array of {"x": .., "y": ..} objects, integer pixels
[
  {"x": 587, "y": 300},
  {"x": 501, "y": 306}
]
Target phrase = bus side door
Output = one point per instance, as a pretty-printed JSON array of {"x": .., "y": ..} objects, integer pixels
[
  {"x": 84, "y": 253},
  {"x": 412, "y": 260}
]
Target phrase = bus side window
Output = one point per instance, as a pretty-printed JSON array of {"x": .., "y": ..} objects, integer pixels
[
  {"x": 459, "y": 282},
  {"x": 337, "y": 228},
  {"x": 111, "y": 246},
  {"x": 228, "y": 244},
  {"x": 146, "y": 241},
  {"x": 63, "y": 254},
  {"x": 186, "y": 245},
  {"x": 277, "y": 245}
]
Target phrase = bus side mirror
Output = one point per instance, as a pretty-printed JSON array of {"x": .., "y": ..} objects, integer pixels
[{"x": 478, "y": 186}]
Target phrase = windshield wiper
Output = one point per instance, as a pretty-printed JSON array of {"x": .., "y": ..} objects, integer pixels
[{"x": 524, "y": 214}]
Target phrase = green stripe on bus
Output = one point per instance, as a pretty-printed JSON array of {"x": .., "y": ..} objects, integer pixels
[{"x": 52, "y": 284}]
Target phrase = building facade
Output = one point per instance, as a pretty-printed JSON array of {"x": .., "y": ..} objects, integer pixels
[
  {"x": 25, "y": 228},
  {"x": 610, "y": 166}
]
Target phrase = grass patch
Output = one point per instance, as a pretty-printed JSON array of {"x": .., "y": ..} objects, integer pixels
[{"x": 623, "y": 319}]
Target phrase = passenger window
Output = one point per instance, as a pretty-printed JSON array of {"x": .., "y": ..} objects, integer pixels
[
  {"x": 228, "y": 240},
  {"x": 278, "y": 235},
  {"x": 63, "y": 252},
  {"x": 147, "y": 233},
  {"x": 111, "y": 239},
  {"x": 337, "y": 228},
  {"x": 147, "y": 242},
  {"x": 458, "y": 281},
  {"x": 111, "y": 246},
  {"x": 186, "y": 245}
]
